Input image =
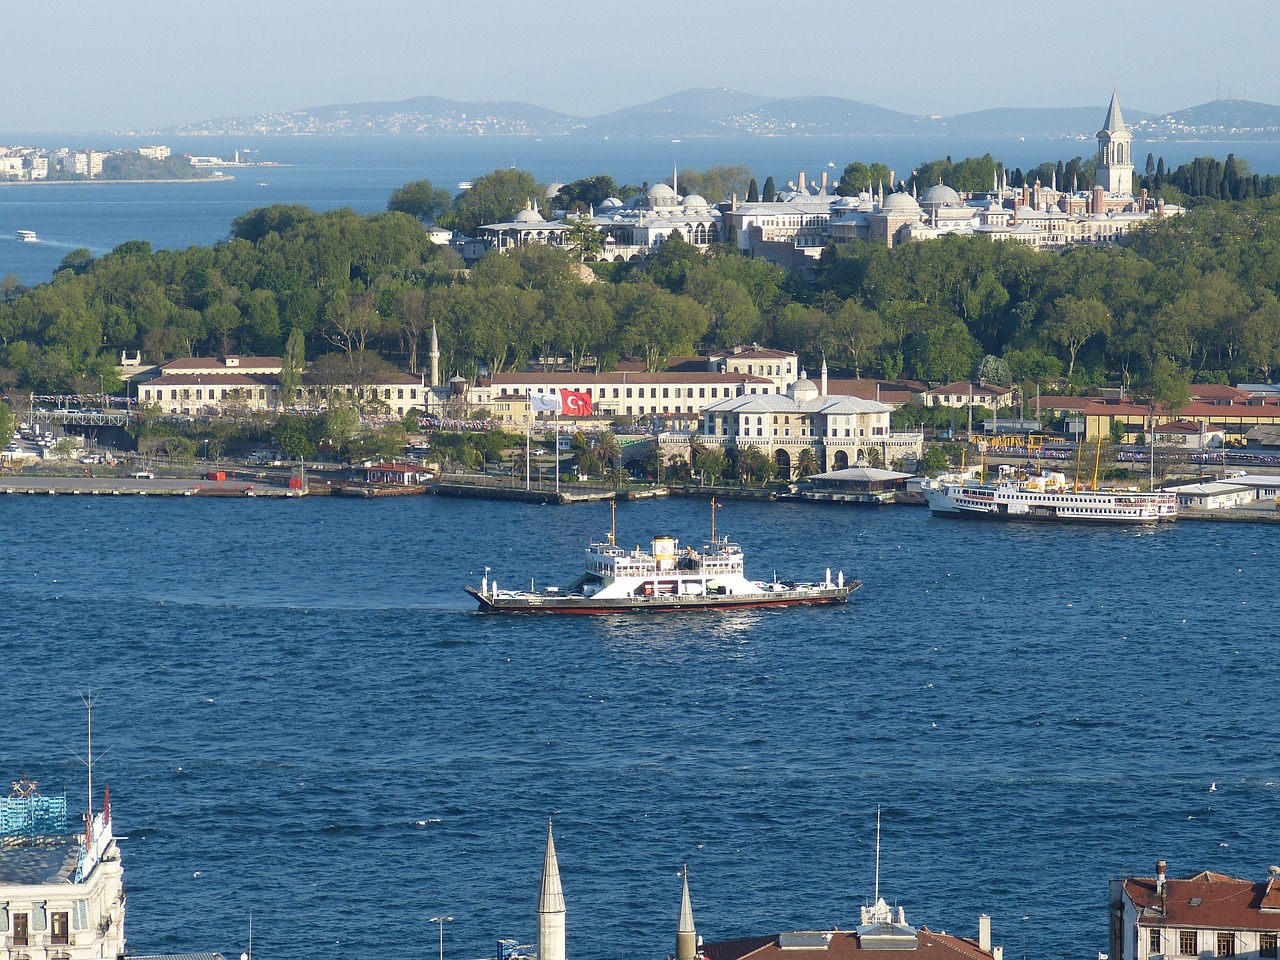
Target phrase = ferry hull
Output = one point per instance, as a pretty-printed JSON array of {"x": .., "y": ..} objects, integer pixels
[{"x": 543, "y": 603}]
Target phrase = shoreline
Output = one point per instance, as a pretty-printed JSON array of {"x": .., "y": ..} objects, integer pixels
[{"x": 223, "y": 178}]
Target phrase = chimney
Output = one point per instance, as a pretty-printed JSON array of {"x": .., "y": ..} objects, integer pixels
[
  {"x": 1161, "y": 867},
  {"x": 984, "y": 933},
  {"x": 802, "y": 182},
  {"x": 824, "y": 181}
]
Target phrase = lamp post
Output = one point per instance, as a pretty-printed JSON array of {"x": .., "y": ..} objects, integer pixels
[{"x": 442, "y": 921}]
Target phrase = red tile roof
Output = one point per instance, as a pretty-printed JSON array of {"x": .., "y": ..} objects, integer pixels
[
  {"x": 890, "y": 391},
  {"x": 1207, "y": 900},
  {"x": 844, "y": 945},
  {"x": 179, "y": 379}
]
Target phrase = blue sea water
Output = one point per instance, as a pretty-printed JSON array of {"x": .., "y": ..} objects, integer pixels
[
  {"x": 300, "y": 715},
  {"x": 360, "y": 172}
]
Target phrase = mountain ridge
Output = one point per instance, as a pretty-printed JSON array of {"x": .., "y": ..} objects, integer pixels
[{"x": 724, "y": 112}]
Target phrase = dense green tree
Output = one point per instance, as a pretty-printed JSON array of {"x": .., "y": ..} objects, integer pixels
[
  {"x": 858, "y": 177},
  {"x": 493, "y": 198},
  {"x": 421, "y": 200},
  {"x": 717, "y": 183},
  {"x": 770, "y": 192},
  {"x": 578, "y": 196}
]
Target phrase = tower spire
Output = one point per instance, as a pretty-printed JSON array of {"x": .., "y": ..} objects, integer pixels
[
  {"x": 435, "y": 356},
  {"x": 551, "y": 911},
  {"x": 686, "y": 933}
]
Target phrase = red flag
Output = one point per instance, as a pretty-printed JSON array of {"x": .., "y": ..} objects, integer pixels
[{"x": 575, "y": 403}]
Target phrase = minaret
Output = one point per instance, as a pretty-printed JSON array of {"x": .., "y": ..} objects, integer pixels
[
  {"x": 551, "y": 910},
  {"x": 435, "y": 356},
  {"x": 1115, "y": 160},
  {"x": 823, "y": 391},
  {"x": 686, "y": 935}
]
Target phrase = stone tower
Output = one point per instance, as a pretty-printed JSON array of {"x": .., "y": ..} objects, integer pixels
[
  {"x": 1115, "y": 160},
  {"x": 686, "y": 935},
  {"x": 551, "y": 910}
]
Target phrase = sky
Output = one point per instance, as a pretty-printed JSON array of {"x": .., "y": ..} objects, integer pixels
[{"x": 81, "y": 66}]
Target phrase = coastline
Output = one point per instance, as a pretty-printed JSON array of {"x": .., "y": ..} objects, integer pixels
[{"x": 222, "y": 178}]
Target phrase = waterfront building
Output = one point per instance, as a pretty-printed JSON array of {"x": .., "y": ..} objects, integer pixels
[
  {"x": 882, "y": 934},
  {"x": 837, "y": 430},
  {"x": 1204, "y": 915},
  {"x": 61, "y": 889}
]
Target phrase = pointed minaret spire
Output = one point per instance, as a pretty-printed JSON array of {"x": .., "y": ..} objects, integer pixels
[
  {"x": 435, "y": 356},
  {"x": 675, "y": 172},
  {"x": 686, "y": 934},
  {"x": 551, "y": 912},
  {"x": 823, "y": 391}
]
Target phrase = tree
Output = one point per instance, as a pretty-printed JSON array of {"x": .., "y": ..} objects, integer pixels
[
  {"x": 806, "y": 463},
  {"x": 420, "y": 200},
  {"x": 753, "y": 191},
  {"x": 583, "y": 237},
  {"x": 712, "y": 463},
  {"x": 1073, "y": 321},
  {"x": 291, "y": 366},
  {"x": 716, "y": 183},
  {"x": 994, "y": 370},
  {"x": 493, "y": 198},
  {"x": 770, "y": 192},
  {"x": 858, "y": 177}
]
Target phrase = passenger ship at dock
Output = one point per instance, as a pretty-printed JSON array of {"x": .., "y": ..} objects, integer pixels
[
  {"x": 663, "y": 578},
  {"x": 1047, "y": 498}
]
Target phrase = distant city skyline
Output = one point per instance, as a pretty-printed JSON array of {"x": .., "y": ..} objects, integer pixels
[{"x": 147, "y": 64}]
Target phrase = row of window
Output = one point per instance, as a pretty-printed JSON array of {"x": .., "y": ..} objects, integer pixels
[
  {"x": 199, "y": 393},
  {"x": 1225, "y": 945},
  {"x": 59, "y": 929},
  {"x": 667, "y": 392}
]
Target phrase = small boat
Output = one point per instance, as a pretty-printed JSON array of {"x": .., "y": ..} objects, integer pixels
[
  {"x": 27, "y": 236},
  {"x": 661, "y": 579}
]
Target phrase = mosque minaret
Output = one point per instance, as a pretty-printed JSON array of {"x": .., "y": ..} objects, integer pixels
[
  {"x": 686, "y": 933},
  {"x": 551, "y": 912}
]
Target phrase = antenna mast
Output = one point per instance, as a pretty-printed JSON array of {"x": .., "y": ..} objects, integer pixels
[{"x": 877, "y": 899}]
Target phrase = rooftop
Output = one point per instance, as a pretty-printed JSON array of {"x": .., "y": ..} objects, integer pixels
[{"x": 1207, "y": 900}]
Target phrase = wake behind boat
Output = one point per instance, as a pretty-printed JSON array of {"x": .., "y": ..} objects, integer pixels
[
  {"x": 1047, "y": 498},
  {"x": 663, "y": 578}
]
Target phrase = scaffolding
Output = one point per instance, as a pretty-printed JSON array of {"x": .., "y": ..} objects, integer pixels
[{"x": 31, "y": 817}]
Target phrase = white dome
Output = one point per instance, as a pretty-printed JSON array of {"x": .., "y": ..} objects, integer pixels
[
  {"x": 942, "y": 195},
  {"x": 660, "y": 189},
  {"x": 900, "y": 203},
  {"x": 529, "y": 215},
  {"x": 803, "y": 389},
  {"x": 608, "y": 203},
  {"x": 693, "y": 200}
]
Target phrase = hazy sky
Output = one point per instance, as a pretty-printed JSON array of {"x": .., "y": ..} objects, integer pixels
[{"x": 90, "y": 66}]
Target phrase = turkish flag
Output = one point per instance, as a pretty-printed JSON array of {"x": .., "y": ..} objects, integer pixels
[{"x": 575, "y": 403}]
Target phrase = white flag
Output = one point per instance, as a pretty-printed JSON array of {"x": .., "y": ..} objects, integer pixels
[{"x": 542, "y": 403}]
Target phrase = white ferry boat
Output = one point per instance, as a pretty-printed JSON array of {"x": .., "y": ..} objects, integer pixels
[
  {"x": 1046, "y": 498},
  {"x": 27, "y": 236},
  {"x": 663, "y": 578}
]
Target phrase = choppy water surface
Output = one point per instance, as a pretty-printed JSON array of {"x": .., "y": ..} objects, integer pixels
[{"x": 306, "y": 719}]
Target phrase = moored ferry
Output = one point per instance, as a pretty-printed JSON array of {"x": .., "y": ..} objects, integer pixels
[
  {"x": 1047, "y": 498},
  {"x": 664, "y": 578}
]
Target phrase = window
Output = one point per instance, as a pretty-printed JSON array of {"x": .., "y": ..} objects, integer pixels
[
  {"x": 666, "y": 393},
  {"x": 198, "y": 397},
  {"x": 1154, "y": 940},
  {"x": 59, "y": 929},
  {"x": 20, "y": 936},
  {"x": 1267, "y": 945},
  {"x": 1226, "y": 944},
  {"x": 1188, "y": 943},
  {"x": 400, "y": 393}
]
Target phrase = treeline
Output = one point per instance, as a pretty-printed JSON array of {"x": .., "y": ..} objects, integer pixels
[{"x": 1190, "y": 297}]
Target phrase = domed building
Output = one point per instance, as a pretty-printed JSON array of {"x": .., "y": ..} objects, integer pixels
[
  {"x": 838, "y": 430},
  {"x": 528, "y": 226}
]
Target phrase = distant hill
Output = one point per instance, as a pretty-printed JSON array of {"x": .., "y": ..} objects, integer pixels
[
  {"x": 1216, "y": 120},
  {"x": 1031, "y": 122},
  {"x": 724, "y": 112}
]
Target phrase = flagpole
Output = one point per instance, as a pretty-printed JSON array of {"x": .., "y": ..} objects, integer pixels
[
  {"x": 557, "y": 454},
  {"x": 527, "y": 460}
]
